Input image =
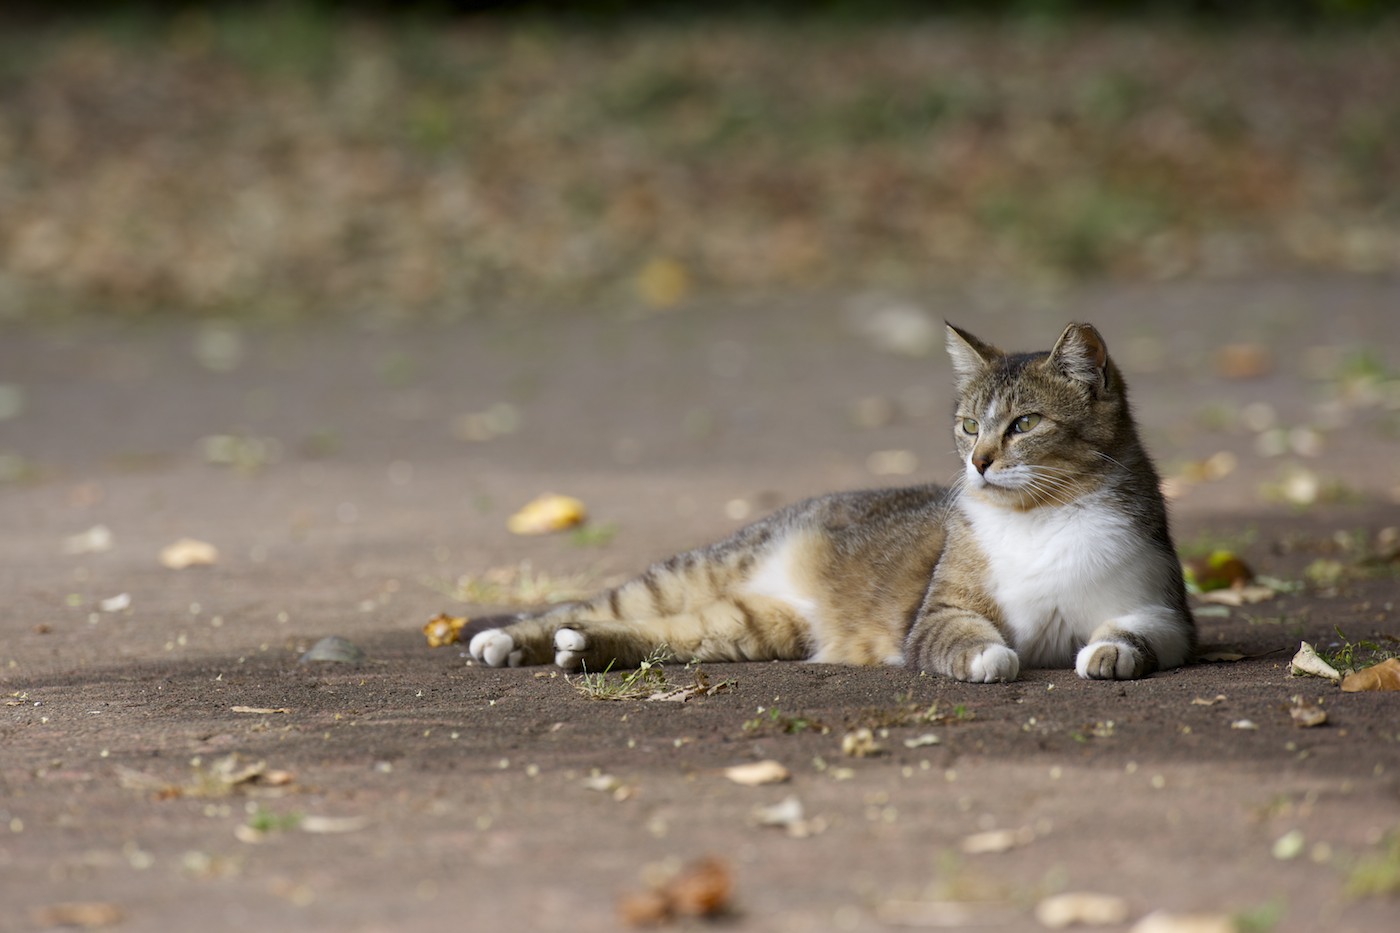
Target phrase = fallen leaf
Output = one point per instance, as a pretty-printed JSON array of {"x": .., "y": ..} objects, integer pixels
[
  {"x": 1079, "y": 907},
  {"x": 1306, "y": 715},
  {"x": 1245, "y": 725},
  {"x": 644, "y": 909},
  {"x": 758, "y": 772},
  {"x": 1163, "y": 922},
  {"x": 259, "y": 710},
  {"x": 926, "y": 739},
  {"x": 332, "y": 824},
  {"x": 1289, "y": 846},
  {"x": 699, "y": 687},
  {"x": 663, "y": 283},
  {"x": 89, "y": 915},
  {"x": 95, "y": 540},
  {"x": 1307, "y": 662},
  {"x": 547, "y": 513},
  {"x": 1238, "y": 595},
  {"x": 188, "y": 552},
  {"x": 788, "y": 814},
  {"x": 860, "y": 744},
  {"x": 701, "y": 889},
  {"x": 1243, "y": 361},
  {"x": 997, "y": 840},
  {"x": 1202, "y": 701},
  {"x": 116, "y": 603},
  {"x": 1218, "y": 571},
  {"x": 443, "y": 629},
  {"x": 1382, "y": 676}
]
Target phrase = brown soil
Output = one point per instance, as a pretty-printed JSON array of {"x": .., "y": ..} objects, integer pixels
[{"x": 422, "y": 792}]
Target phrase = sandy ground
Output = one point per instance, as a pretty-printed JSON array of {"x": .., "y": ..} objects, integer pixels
[{"x": 417, "y": 791}]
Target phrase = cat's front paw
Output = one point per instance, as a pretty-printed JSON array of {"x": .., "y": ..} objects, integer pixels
[
  {"x": 495, "y": 648},
  {"x": 1109, "y": 660},
  {"x": 993, "y": 664}
]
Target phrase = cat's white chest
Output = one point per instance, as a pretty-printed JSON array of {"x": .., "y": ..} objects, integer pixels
[{"x": 1058, "y": 573}]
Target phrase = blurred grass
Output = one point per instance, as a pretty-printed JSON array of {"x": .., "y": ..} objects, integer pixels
[{"x": 286, "y": 161}]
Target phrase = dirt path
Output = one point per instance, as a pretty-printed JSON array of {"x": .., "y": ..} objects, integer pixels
[{"x": 415, "y": 791}]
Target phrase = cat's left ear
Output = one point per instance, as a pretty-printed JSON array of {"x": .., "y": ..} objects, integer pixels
[{"x": 1081, "y": 354}]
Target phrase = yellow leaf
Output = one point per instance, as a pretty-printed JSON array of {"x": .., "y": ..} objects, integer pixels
[
  {"x": 546, "y": 514},
  {"x": 443, "y": 629},
  {"x": 663, "y": 283}
]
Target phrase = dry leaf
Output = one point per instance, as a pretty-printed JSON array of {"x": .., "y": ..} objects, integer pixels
[
  {"x": 116, "y": 603},
  {"x": 332, "y": 824},
  {"x": 787, "y": 813},
  {"x": 860, "y": 744},
  {"x": 758, "y": 772},
  {"x": 443, "y": 629},
  {"x": 699, "y": 687},
  {"x": 87, "y": 916},
  {"x": 1163, "y": 922},
  {"x": 1238, "y": 595},
  {"x": 1202, "y": 701},
  {"x": 1078, "y": 907},
  {"x": 1218, "y": 571},
  {"x": 928, "y": 738},
  {"x": 1307, "y": 662},
  {"x": 1243, "y": 361},
  {"x": 95, "y": 540},
  {"x": 701, "y": 889},
  {"x": 997, "y": 840},
  {"x": 1305, "y": 717},
  {"x": 547, "y": 513},
  {"x": 1382, "y": 676},
  {"x": 187, "y": 552},
  {"x": 259, "y": 710},
  {"x": 663, "y": 283}
]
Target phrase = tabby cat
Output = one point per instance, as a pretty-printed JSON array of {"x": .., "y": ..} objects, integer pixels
[{"x": 1050, "y": 549}]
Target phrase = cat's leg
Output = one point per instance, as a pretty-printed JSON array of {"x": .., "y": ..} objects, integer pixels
[
  {"x": 1136, "y": 645},
  {"x": 517, "y": 641},
  {"x": 961, "y": 644},
  {"x": 727, "y": 629}
]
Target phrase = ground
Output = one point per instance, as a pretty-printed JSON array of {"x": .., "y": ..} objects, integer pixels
[{"x": 357, "y": 482}]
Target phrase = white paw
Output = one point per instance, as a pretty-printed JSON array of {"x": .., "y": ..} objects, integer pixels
[
  {"x": 569, "y": 646},
  {"x": 993, "y": 664},
  {"x": 495, "y": 648},
  {"x": 1108, "y": 660}
]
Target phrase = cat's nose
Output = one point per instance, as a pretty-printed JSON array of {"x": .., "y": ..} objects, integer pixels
[{"x": 981, "y": 462}]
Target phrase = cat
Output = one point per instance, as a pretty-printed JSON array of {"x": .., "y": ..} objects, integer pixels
[{"x": 1051, "y": 549}]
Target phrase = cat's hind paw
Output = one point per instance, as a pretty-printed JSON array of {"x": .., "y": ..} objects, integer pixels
[
  {"x": 993, "y": 664},
  {"x": 495, "y": 648},
  {"x": 570, "y": 646},
  {"x": 1109, "y": 660}
]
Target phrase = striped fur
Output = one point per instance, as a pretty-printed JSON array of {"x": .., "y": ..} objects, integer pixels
[{"x": 1051, "y": 549}]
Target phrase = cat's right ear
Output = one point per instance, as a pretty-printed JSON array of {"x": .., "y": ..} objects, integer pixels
[{"x": 970, "y": 356}]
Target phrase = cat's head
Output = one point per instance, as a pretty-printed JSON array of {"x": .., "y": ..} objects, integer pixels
[{"x": 1037, "y": 429}]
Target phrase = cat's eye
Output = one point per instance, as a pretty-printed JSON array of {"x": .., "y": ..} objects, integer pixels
[
  {"x": 969, "y": 425},
  {"x": 1024, "y": 423}
]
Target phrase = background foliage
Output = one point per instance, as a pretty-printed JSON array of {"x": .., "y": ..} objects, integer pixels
[{"x": 298, "y": 159}]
